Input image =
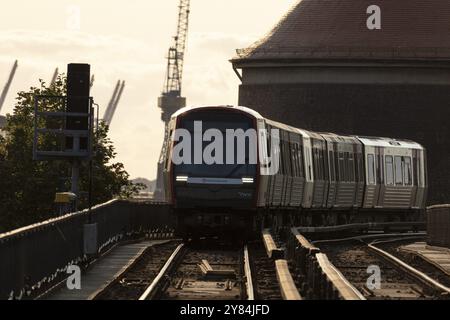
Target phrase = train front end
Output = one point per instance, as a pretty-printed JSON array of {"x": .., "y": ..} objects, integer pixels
[{"x": 214, "y": 172}]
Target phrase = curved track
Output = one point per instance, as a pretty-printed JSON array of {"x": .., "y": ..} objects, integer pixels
[{"x": 376, "y": 273}]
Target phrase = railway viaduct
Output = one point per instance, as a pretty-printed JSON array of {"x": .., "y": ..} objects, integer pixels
[{"x": 320, "y": 68}]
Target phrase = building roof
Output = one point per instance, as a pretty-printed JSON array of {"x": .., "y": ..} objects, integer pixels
[{"x": 337, "y": 29}]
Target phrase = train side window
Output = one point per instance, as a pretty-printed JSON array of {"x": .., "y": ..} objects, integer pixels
[
  {"x": 341, "y": 167},
  {"x": 398, "y": 171},
  {"x": 419, "y": 172},
  {"x": 346, "y": 167},
  {"x": 331, "y": 164},
  {"x": 289, "y": 159},
  {"x": 408, "y": 175},
  {"x": 293, "y": 159},
  {"x": 389, "y": 170},
  {"x": 323, "y": 155},
  {"x": 371, "y": 168},
  {"x": 361, "y": 168},
  {"x": 351, "y": 167},
  {"x": 301, "y": 161}
]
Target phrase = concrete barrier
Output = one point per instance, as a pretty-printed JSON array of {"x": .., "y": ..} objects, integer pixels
[{"x": 438, "y": 218}]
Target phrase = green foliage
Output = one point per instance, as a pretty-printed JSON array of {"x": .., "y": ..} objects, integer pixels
[{"x": 27, "y": 187}]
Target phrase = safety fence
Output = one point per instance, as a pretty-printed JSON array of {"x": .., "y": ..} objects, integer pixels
[{"x": 35, "y": 256}]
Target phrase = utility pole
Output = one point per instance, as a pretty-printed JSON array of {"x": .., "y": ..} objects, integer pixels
[{"x": 171, "y": 100}]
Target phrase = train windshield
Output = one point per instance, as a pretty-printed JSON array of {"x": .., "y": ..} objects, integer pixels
[{"x": 199, "y": 123}]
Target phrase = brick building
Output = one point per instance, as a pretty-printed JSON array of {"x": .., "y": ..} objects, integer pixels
[{"x": 321, "y": 68}]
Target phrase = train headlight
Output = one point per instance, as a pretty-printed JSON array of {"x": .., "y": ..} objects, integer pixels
[
  {"x": 248, "y": 180},
  {"x": 182, "y": 178}
]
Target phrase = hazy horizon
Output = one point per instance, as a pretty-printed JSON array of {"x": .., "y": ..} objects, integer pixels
[{"x": 129, "y": 42}]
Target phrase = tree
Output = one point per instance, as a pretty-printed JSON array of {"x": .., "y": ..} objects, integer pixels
[{"x": 28, "y": 187}]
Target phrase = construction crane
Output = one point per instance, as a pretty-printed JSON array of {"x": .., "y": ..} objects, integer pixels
[
  {"x": 8, "y": 84},
  {"x": 113, "y": 102},
  {"x": 55, "y": 75},
  {"x": 171, "y": 100}
]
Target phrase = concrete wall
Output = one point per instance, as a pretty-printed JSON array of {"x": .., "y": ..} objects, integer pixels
[
  {"x": 404, "y": 103},
  {"x": 439, "y": 225}
]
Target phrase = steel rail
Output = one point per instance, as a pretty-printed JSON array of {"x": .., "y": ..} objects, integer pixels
[
  {"x": 422, "y": 277},
  {"x": 150, "y": 291},
  {"x": 375, "y": 236},
  {"x": 346, "y": 290},
  {"x": 248, "y": 275}
]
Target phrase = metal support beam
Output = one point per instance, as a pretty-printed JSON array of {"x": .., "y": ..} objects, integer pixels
[{"x": 8, "y": 84}]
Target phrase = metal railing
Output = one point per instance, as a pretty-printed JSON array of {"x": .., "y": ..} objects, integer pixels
[{"x": 33, "y": 257}]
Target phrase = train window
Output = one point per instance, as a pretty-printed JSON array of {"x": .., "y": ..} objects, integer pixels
[
  {"x": 351, "y": 167},
  {"x": 389, "y": 170},
  {"x": 289, "y": 159},
  {"x": 419, "y": 172},
  {"x": 300, "y": 161},
  {"x": 414, "y": 167},
  {"x": 371, "y": 168},
  {"x": 398, "y": 171},
  {"x": 408, "y": 175},
  {"x": 321, "y": 164},
  {"x": 347, "y": 169},
  {"x": 293, "y": 159},
  {"x": 341, "y": 167},
  {"x": 331, "y": 164},
  {"x": 317, "y": 165}
]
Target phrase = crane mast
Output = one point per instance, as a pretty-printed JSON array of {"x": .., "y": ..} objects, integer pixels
[
  {"x": 114, "y": 102},
  {"x": 8, "y": 84},
  {"x": 171, "y": 100}
]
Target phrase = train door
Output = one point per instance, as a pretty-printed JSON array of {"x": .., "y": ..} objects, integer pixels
[
  {"x": 278, "y": 178},
  {"x": 270, "y": 178},
  {"x": 381, "y": 188},
  {"x": 370, "y": 194},
  {"x": 298, "y": 176},
  {"x": 332, "y": 185},
  {"x": 320, "y": 182},
  {"x": 309, "y": 175},
  {"x": 419, "y": 180},
  {"x": 287, "y": 162},
  {"x": 359, "y": 174},
  {"x": 263, "y": 145}
]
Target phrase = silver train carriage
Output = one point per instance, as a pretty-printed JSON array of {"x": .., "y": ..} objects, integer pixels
[{"x": 323, "y": 179}]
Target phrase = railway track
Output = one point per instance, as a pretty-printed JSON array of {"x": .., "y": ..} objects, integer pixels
[
  {"x": 203, "y": 271},
  {"x": 264, "y": 274},
  {"x": 424, "y": 266},
  {"x": 132, "y": 283},
  {"x": 377, "y": 274}
]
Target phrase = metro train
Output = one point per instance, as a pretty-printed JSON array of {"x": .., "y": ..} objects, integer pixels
[{"x": 318, "y": 179}]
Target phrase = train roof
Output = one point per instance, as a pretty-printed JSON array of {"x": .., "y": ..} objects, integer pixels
[
  {"x": 389, "y": 143},
  {"x": 249, "y": 111}
]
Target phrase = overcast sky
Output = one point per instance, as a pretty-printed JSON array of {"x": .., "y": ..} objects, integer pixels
[{"x": 128, "y": 40}]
